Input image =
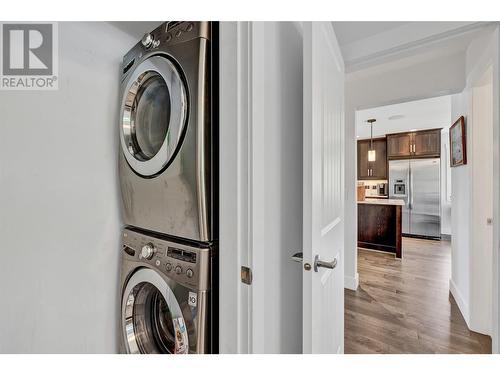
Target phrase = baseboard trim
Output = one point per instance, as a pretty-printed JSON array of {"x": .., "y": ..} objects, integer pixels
[
  {"x": 462, "y": 305},
  {"x": 351, "y": 283}
]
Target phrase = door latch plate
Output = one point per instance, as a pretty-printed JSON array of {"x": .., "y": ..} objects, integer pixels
[{"x": 246, "y": 275}]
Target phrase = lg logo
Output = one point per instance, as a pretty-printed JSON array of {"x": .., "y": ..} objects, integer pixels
[{"x": 29, "y": 52}]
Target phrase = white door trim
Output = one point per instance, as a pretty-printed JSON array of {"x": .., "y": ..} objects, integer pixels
[
  {"x": 496, "y": 190},
  {"x": 234, "y": 188}
]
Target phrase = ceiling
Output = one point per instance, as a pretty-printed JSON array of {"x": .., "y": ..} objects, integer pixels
[
  {"x": 367, "y": 44},
  {"x": 416, "y": 115},
  {"x": 349, "y": 32}
]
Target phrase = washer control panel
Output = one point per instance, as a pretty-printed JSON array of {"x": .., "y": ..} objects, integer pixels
[{"x": 183, "y": 263}]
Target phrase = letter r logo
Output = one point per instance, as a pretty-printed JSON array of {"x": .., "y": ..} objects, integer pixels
[{"x": 27, "y": 49}]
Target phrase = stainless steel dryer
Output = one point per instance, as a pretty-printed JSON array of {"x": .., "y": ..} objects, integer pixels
[
  {"x": 168, "y": 131},
  {"x": 166, "y": 298}
]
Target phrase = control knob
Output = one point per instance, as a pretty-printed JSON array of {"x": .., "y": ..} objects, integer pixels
[
  {"x": 189, "y": 273},
  {"x": 178, "y": 270},
  {"x": 147, "y": 251},
  {"x": 147, "y": 40}
]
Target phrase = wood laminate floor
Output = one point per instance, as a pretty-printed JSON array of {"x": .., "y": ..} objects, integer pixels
[{"x": 404, "y": 306}]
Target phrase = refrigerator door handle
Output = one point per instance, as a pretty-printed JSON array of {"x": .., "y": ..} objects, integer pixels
[{"x": 410, "y": 188}]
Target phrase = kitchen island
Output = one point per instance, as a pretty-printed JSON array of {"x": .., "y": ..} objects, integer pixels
[{"x": 379, "y": 225}]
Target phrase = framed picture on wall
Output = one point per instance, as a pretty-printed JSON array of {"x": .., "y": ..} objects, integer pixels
[{"x": 458, "y": 152}]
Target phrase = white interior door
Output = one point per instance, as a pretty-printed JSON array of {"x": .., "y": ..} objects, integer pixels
[{"x": 323, "y": 211}]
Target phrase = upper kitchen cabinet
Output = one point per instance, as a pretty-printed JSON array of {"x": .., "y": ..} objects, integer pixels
[
  {"x": 363, "y": 165},
  {"x": 399, "y": 145},
  {"x": 379, "y": 166},
  {"x": 376, "y": 170},
  {"x": 425, "y": 143}
]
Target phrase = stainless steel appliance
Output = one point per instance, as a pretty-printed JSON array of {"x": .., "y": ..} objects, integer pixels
[
  {"x": 166, "y": 299},
  {"x": 168, "y": 131},
  {"x": 382, "y": 189},
  {"x": 417, "y": 182}
]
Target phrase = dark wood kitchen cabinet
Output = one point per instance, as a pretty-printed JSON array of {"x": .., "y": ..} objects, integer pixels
[
  {"x": 376, "y": 170},
  {"x": 399, "y": 145},
  {"x": 379, "y": 166},
  {"x": 425, "y": 143},
  {"x": 363, "y": 165},
  {"x": 379, "y": 227}
]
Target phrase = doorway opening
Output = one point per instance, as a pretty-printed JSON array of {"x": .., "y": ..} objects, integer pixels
[{"x": 420, "y": 221}]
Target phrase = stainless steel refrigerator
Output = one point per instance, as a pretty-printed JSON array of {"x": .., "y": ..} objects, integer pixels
[{"x": 417, "y": 182}]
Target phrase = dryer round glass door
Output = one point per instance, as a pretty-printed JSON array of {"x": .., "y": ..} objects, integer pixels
[
  {"x": 153, "y": 116},
  {"x": 151, "y": 316}
]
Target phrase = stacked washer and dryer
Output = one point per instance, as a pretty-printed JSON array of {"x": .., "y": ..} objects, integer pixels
[{"x": 168, "y": 167}]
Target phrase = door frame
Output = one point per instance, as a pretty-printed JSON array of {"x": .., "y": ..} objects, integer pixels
[
  {"x": 235, "y": 246},
  {"x": 496, "y": 191},
  {"x": 490, "y": 59},
  {"x": 238, "y": 176},
  {"x": 353, "y": 104}
]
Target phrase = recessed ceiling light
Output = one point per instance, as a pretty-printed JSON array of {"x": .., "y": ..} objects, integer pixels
[{"x": 395, "y": 117}]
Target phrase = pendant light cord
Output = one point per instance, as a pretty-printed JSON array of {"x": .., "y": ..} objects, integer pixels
[{"x": 371, "y": 136}]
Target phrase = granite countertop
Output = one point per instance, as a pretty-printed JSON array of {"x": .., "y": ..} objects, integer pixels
[{"x": 386, "y": 202}]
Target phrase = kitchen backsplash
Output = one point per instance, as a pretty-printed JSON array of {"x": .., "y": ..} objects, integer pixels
[{"x": 371, "y": 187}]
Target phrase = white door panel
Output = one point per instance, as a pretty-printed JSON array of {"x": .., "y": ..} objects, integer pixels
[{"x": 323, "y": 204}]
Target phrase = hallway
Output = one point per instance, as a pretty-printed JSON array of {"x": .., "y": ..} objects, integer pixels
[{"x": 405, "y": 306}]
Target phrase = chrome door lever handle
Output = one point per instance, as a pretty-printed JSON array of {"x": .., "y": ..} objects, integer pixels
[
  {"x": 320, "y": 263},
  {"x": 298, "y": 257}
]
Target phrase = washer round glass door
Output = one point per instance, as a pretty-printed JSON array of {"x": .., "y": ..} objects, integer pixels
[
  {"x": 151, "y": 316},
  {"x": 153, "y": 115}
]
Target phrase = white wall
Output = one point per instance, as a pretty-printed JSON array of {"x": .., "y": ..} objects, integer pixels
[
  {"x": 280, "y": 149},
  {"x": 474, "y": 281},
  {"x": 59, "y": 218},
  {"x": 460, "y": 218},
  {"x": 380, "y": 86},
  {"x": 261, "y": 186}
]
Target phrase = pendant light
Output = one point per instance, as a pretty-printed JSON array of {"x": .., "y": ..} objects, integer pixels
[{"x": 371, "y": 152}]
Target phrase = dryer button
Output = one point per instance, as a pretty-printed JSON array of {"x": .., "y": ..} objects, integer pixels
[
  {"x": 178, "y": 270},
  {"x": 168, "y": 266},
  {"x": 189, "y": 272}
]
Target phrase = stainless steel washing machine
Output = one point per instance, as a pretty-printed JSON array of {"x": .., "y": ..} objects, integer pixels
[
  {"x": 168, "y": 131},
  {"x": 166, "y": 304}
]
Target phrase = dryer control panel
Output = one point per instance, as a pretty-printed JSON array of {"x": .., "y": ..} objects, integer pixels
[
  {"x": 182, "y": 263},
  {"x": 165, "y": 36}
]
